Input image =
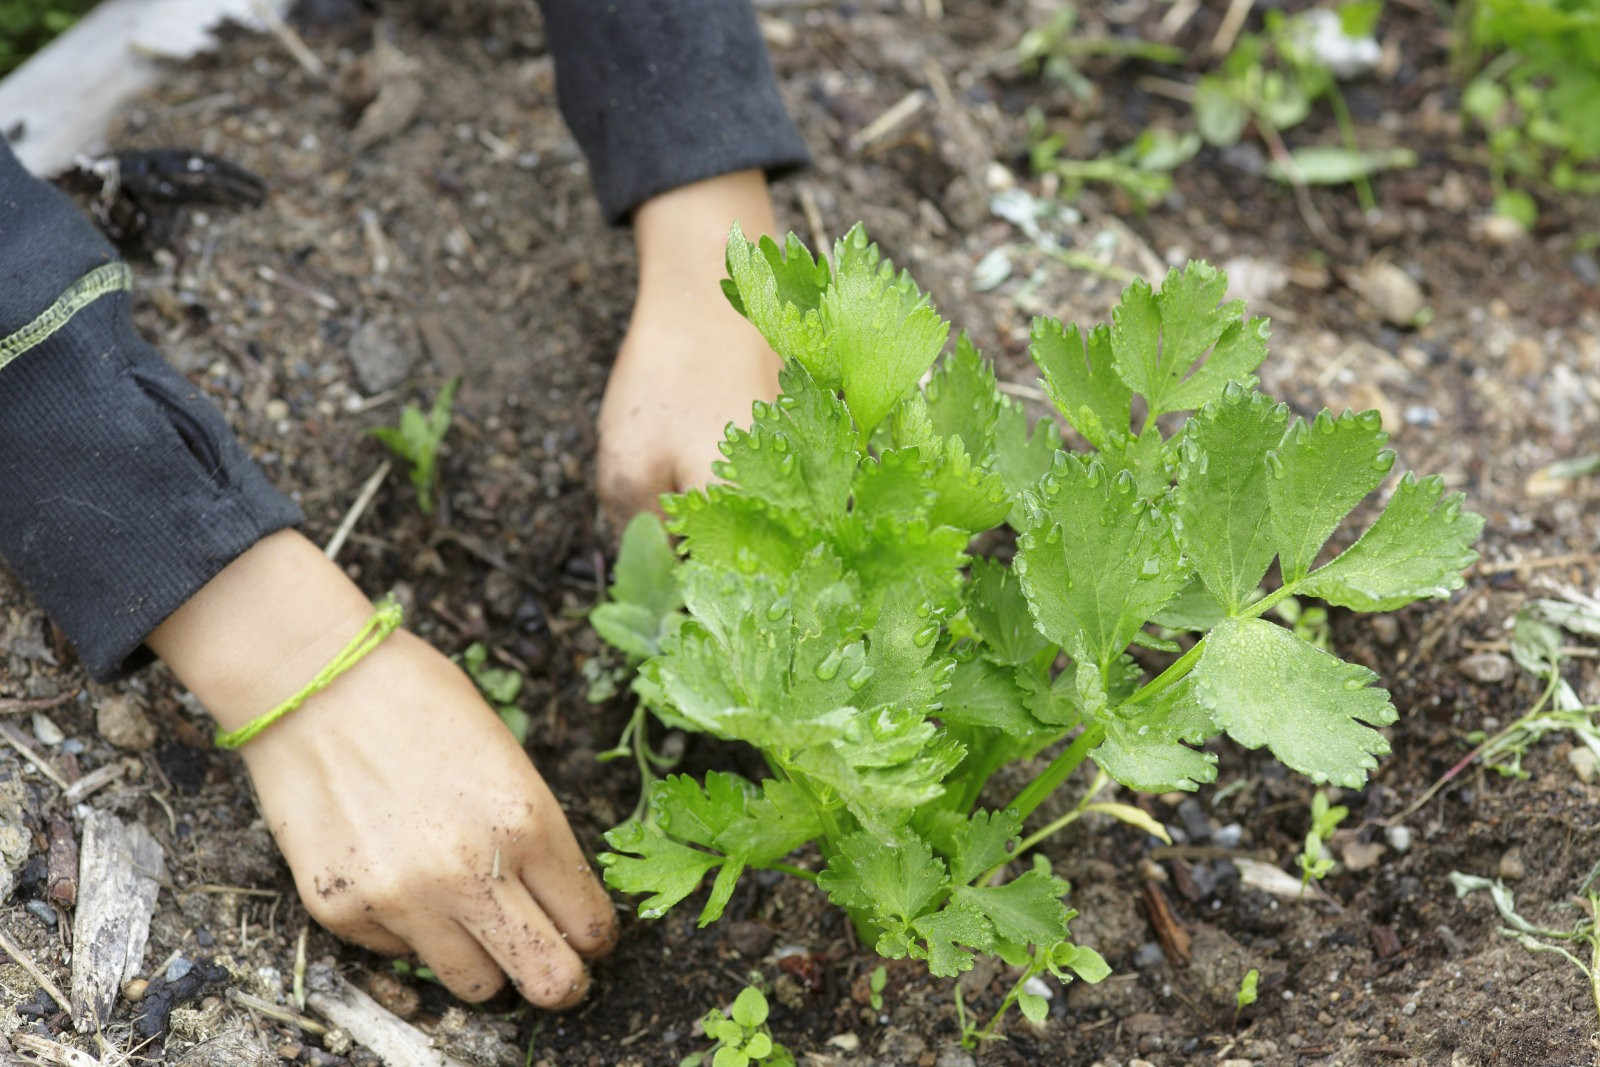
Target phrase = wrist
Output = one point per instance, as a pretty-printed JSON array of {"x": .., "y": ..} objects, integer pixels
[
  {"x": 259, "y": 630},
  {"x": 681, "y": 235}
]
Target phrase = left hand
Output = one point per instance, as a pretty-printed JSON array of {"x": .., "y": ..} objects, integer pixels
[{"x": 689, "y": 364}]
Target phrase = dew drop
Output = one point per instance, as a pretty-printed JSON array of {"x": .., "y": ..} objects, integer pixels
[
  {"x": 1091, "y": 476},
  {"x": 1144, "y": 729},
  {"x": 1124, "y": 481},
  {"x": 859, "y": 679},
  {"x": 1370, "y": 420},
  {"x": 786, "y": 464},
  {"x": 828, "y": 669},
  {"x": 1452, "y": 509},
  {"x": 1275, "y": 464},
  {"x": 780, "y": 444},
  {"x": 1152, "y": 566},
  {"x": 1355, "y": 682},
  {"x": 1324, "y": 422},
  {"x": 1384, "y": 461},
  {"x": 777, "y": 609},
  {"x": 924, "y": 637}
]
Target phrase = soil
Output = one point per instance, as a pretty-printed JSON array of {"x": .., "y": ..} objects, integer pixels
[{"x": 466, "y": 242}]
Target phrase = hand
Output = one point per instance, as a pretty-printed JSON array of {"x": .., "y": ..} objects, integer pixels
[
  {"x": 411, "y": 818},
  {"x": 689, "y": 364}
]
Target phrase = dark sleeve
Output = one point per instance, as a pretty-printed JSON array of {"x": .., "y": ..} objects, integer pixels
[
  {"x": 122, "y": 490},
  {"x": 661, "y": 93}
]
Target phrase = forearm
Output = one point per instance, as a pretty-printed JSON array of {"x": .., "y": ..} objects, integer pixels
[{"x": 124, "y": 488}]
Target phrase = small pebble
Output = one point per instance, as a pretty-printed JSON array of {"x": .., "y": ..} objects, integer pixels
[
  {"x": 1511, "y": 867},
  {"x": 1410, "y": 1008},
  {"x": 1228, "y": 836},
  {"x": 46, "y": 730},
  {"x": 1196, "y": 823},
  {"x": 1148, "y": 955},
  {"x": 1399, "y": 837},
  {"x": 42, "y": 911},
  {"x": 1487, "y": 667},
  {"x": 1501, "y": 230},
  {"x": 277, "y": 409},
  {"x": 1583, "y": 763},
  {"x": 337, "y": 1041},
  {"x": 1038, "y": 988},
  {"x": 1392, "y": 292},
  {"x": 846, "y": 1042},
  {"x": 1385, "y": 629},
  {"x": 134, "y": 988},
  {"x": 178, "y": 968}
]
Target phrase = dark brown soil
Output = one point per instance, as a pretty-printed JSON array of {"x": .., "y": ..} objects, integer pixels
[{"x": 471, "y": 232}]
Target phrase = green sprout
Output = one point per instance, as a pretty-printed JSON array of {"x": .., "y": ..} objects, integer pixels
[
  {"x": 741, "y": 1036},
  {"x": 416, "y": 440},
  {"x": 1315, "y": 862}
]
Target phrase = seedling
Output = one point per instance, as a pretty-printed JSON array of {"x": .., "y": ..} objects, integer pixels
[
  {"x": 832, "y": 617},
  {"x": 1535, "y": 938},
  {"x": 1315, "y": 861},
  {"x": 416, "y": 440},
  {"x": 500, "y": 685},
  {"x": 1055, "y": 50},
  {"x": 741, "y": 1036},
  {"x": 1537, "y": 75},
  {"x": 875, "y": 983},
  {"x": 1246, "y": 995}
]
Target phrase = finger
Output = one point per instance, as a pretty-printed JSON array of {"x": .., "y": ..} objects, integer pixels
[
  {"x": 374, "y": 937},
  {"x": 575, "y": 901},
  {"x": 456, "y": 958},
  {"x": 528, "y": 947}
]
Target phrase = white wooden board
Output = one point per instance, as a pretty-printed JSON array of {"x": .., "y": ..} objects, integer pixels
[{"x": 67, "y": 93}]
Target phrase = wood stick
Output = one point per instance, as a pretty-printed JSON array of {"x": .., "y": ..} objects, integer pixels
[
  {"x": 13, "y": 737},
  {"x": 52, "y": 1051},
  {"x": 896, "y": 116},
  {"x": 120, "y": 869},
  {"x": 1232, "y": 23},
  {"x": 25, "y": 961},
  {"x": 13, "y": 705},
  {"x": 396, "y": 1042},
  {"x": 273, "y": 1011},
  {"x": 369, "y": 489}
]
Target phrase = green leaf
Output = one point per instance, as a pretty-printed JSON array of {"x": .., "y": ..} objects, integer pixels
[
  {"x": 1027, "y": 909},
  {"x": 894, "y": 486},
  {"x": 721, "y": 526},
  {"x": 749, "y": 1008},
  {"x": 1359, "y": 18},
  {"x": 1194, "y": 609},
  {"x": 648, "y": 861},
  {"x": 696, "y": 813},
  {"x": 1022, "y": 457},
  {"x": 1034, "y": 1007},
  {"x": 1265, "y": 686},
  {"x": 963, "y": 399},
  {"x": 882, "y": 332},
  {"x": 1222, "y": 515},
  {"x": 1220, "y": 117},
  {"x": 1083, "y": 382},
  {"x": 759, "y": 1047},
  {"x": 644, "y": 590},
  {"x": 799, "y": 454},
  {"x": 1094, "y": 560},
  {"x": 777, "y": 822},
  {"x": 1335, "y": 165},
  {"x": 999, "y": 612},
  {"x": 1159, "y": 340},
  {"x": 1082, "y": 960},
  {"x": 985, "y": 843},
  {"x": 897, "y": 876},
  {"x": 1417, "y": 548},
  {"x": 780, "y": 292},
  {"x": 984, "y": 694},
  {"x": 964, "y": 495},
  {"x": 729, "y": 1056},
  {"x": 948, "y": 935},
  {"x": 1319, "y": 473},
  {"x": 1148, "y": 750}
]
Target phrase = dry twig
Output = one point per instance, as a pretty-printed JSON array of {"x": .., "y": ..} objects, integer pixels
[
  {"x": 25, "y": 961},
  {"x": 369, "y": 490},
  {"x": 13, "y": 737}
]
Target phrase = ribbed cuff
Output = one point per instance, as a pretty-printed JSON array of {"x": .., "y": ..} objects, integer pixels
[
  {"x": 124, "y": 489},
  {"x": 661, "y": 94}
]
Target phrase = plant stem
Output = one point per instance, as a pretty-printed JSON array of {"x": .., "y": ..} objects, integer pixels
[
  {"x": 1168, "y": 678},
  {"x": 1347, "y": 132},
  {"x": 798, "y": 872},
  {"x": 987, "y": 1033},
  {"x": 1100, "y": 782},
  {"x": 1060, "y": 770}
]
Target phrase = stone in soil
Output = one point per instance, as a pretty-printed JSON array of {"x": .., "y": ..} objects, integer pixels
[
  {"x": 382, "y": 353},
  {"x": 122, "y": 722}
]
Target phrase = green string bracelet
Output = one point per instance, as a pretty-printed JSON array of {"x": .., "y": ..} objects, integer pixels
[{"x": 385, "y": 620}]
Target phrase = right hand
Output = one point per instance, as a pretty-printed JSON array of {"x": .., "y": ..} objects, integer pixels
[{"x": 411, "y": 818}]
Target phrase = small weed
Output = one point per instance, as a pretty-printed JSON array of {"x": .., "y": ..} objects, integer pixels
[
  {"x": 416, "y": 440},
  {"x": 875, "y": 984},
  {"x": 1315, "y": 861},
  {"x": 1544, "y": 938},
  {"x": 1246, "y": 995},
  {"x": 741, "y": 1036},
  {"x": 500, "y": 685},
  {"x": 1055, "y": 50}
]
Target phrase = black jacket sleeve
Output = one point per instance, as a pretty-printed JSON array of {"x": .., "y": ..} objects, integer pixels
[
  {"x": 661, "y": 93},
  {"x": 122, "y": 490}
]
